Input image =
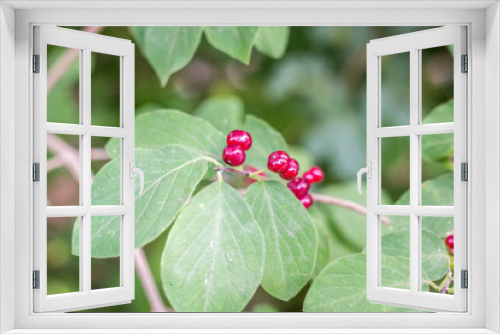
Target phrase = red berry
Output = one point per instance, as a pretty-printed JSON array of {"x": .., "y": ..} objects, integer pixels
[
  {"x": 299, "y": 187},
  {"x": 306, "y": 201},
  {"x": 241, "y": 138},
  {"x": 291, "y": 171},
  {"x": 233, "y": 155},
  {"x": 450, "y": 242},
  {"x": 314, "y": 175},
  {"x": 278, "y": 161}
]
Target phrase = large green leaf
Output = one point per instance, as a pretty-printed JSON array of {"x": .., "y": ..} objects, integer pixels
[
  {"x": 265, "y": 141},
  {"x": 272, "y": 40},
  {"x": 168, "y": 49},
  {"x": 326, "y": 245},
  {"x": 167, "y": 126},
  {"x": 171, "y": 175},
  {"x": 435, "y": 261},
  {"x": 214, "y": 257},
  {"x": 290, "y": 238},
  {"x": 236, "y": 42},
  {"x": 440, "y": 114},
  {"x": 435, "y": 192},
  {"x": 225, "y": 113},
  {"x": 341, "y": 286},
  {"x": 435, "y": 147},
  {"x": 349, "y": 225}
]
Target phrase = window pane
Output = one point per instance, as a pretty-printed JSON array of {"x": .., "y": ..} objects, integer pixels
[
  {"x": 63, "y": 86},
  {"x": 395, "y": 166},
  {"x": 437, "y": 254},
  {"x": 395, "y": 269},
  {"x": 437, "y": 84},
  {"x": 105, "y": 90},
  {"x": 106, "y": 232},
  {"x": 437, "y": 169},
  {"x": 63, "y": 170},
  {"x": 106, "y": 187},
  {"x": 63, "y": 263},
  {"x": 395, "y": 89}
]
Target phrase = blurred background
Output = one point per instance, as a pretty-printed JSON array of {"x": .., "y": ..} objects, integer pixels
[{"x": 315, "y": 95}]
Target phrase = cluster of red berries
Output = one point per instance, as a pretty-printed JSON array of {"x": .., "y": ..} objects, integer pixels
[
  {"x": 238, "y": 141},
  {"x": 450, "y": 243},
  {"x": 288, "y": 169}
]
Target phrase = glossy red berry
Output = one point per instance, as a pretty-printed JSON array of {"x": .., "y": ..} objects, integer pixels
[
  {"x": 306, "y": 201},
  {"x": 278, "y": 161},
  {"x": 241, "y": 138},
  {"x": 450, "y": 242},
  {"x": 314, "y": 175},
  {"x": 299, "y": 187},
  {"x": 291, "y": 171},
  {"x": 233, "y": 155}
]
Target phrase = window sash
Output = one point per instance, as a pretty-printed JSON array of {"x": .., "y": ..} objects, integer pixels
[
  {"x": 413, "y": 43},
  {"x": 86, "y": 43}
]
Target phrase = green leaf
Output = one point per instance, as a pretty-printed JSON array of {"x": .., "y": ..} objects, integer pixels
[
  {"x": 436, "y": 147},
  {"x": 435, "y": 261},
  {"x": 265, "y": 140},
  {"x": 168, "y": 49},
  {"x": 326, "y": 246},
  {"x": 214, "y": 256},
  {"x": 236, "y": 42},
  {"x": 225, "y": 113},
  {"x": 349, "y": 225},
  {"x": 264, "y": 307},
  {"x": 171, "y": 175},
  {"x": 341, "y": 286},
  {"x": 435, "y": 192},
  {"x": 272, "y": 40},
  {"x": 441, "y": 114},
  {"x": 289, "y": 235},
  {"x": 167, "y": 126}
]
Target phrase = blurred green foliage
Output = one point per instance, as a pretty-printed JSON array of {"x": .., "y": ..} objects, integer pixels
[{"x": 314, "y": 96}]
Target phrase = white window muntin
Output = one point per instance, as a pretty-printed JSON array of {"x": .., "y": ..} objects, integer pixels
[
  {"x": 86, "y": 43},
  {"x": 414, "y": 43}
]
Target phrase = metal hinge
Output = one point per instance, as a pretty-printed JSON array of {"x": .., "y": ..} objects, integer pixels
[
  {"x": 36, "y": 279},
  {"x": 465, "y": 64},
  {"x": 464, "y": 171},
  {"x": 36, "y": 63},
  {"x": 465, "y": 279},
  {"x": 36, "y": 172}
]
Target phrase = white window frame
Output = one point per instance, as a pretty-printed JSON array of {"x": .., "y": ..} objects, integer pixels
[
  {"x": 483, "y": 21},
  {"x": 86, "y": 43},
  {"x": 413, "y": 44}
]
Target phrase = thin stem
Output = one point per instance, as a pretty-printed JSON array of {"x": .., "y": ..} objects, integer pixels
[
  {"x": 65, "y": 60},
  {"x": 433, "y": 285},
  {"x": 345, "y": 204},
  {"x": 148, "y": 283},
  {"x": 66, "y": 155},
  {"x": 445, "y": 284},
  {"x": 258, "y": 172},
  {"x": 337, "y": 202},
  {"x": 238, "y": 172}
]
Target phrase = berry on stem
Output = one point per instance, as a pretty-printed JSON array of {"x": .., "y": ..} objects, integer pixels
[
  {"x": 278, "y": 161},
  {"x": 306, "y": 201},
  {"x": 313, "y": 175},
  {"x": 291, "y": 171},
  {"x": 299, "y": 187},
  {"x": 241, "y": 138},
  {"x": 233, "y": 155},
  {"x": 450, "y": 242}
]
